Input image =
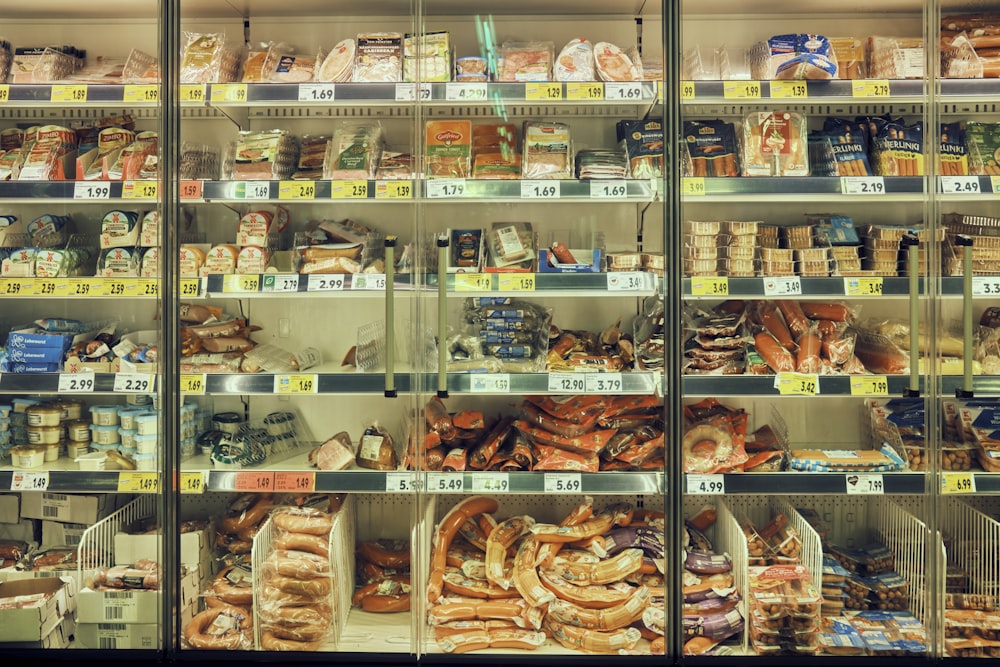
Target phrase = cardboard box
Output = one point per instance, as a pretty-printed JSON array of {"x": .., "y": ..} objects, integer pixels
[
  {"x": 10, "y": 508},
  {"x": 55, "y": 534},
  {"x": 131, "y": 548},
  {"x": 65, "y": 507},
  {"x": 61, "y": 636},
  {"x": 22, "y": 531},
  {"x": 13, "y": 574},
  {"x": 34, "y": 623},
  {"x": 545, "y": 256},
  {"x": 191, "y": 584},
  {"x": 118, "y": 606},
  {"x": 118, "y": 635}
]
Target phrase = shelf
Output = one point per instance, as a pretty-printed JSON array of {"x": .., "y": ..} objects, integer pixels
[
  {"x": 793, "y": 482},
  {"x": 634, "y": 382},
  {"x": 299, "y": 384},
  {"x": 969, "y": 90},
  {"x": 795, "y": 189},
  {"x": 64, "y": 475},
  {"x": 798, "y": 92},
  {"x": 110, "y": 192},
  {"x": 73, "y": 95},
  {"x": 968, "y": 188},
  {"x": 982, "y": 385},
  {"x": 983, "y": 483},
  {"x": 764, "y": 385},
  {"x": 79, "y": 383},
  {"x": 794, "y": 287},
  {"x": 80, "y": 288},
  {"x": 275, "y": 284},
  {"x": 982, "y": 286}
]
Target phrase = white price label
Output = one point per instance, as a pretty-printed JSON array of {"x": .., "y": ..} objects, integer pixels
[
  {"x": 567, "y": 383},
  {"x": 489, "y": 383},
  {"x": 134, "y": 383},
  {"x": 608, "y": 190},
  {"x": 623, "y": 91},
  {"x": 603, "y": 383},
  {"x": 539, "y": 190},
  {"x": 465, "y": 92},
  {"x": 706, "y": 484},
  {"x": 960, "y": 185},
  {"x": 72, "y": 383},
  {"x": 788, "y": 286},
  {"x": 490, "y": 482},
  {"x": 91, "y": 190},
  {"x": 443, "y": 188},
  {"x": 400, "y": 482},
  {"x": 985, "y": 285},
  {"x": 407, "y": 92},
  {"x": 325, "y": 283},
  {"x": 29, "y": 481},
  {"x": 253, "y": 190},
  {"x": 563, "y": 482},
  {"x": 285, "y": 282},
  {"x": 865, "y": 484},
  {"x": 445, "y": 482},
  {"x": 316, "y": 92},
  {"x": 862, "y": 185},
  {"x": 368, "y": 281},
  {"x": 625, "y": 281}
]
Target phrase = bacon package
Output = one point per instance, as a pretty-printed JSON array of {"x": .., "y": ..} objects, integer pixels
[{"x": 775, "y": 144}]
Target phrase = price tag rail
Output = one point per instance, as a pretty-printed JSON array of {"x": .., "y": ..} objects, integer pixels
[
  {"x": 833, "y": 483},
  {"x": 808, "y": 188},
  {"x": 705, "y": 91},
  {"x": 831, "y": 287},
  {"x": 48, "y": 383},
  {"x": 566, "y": 284},
  {"x": 53, "y": 191},
  {"x": 635, "y": 382},
  {"x": 72, "y": 481},
  {"x": 763, "y": 385}
]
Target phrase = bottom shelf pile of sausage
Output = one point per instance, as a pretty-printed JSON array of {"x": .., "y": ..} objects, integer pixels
[{"x": 594, "y": 582}]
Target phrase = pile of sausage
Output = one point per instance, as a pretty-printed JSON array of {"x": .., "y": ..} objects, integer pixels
[
  {"x": 579, "y": 433},
  {"x": 142, "y": 575},
  {"x": 244, "y": 516},
  {"x": 383, "y": 574},
  {"x": 593, "y": 582}
]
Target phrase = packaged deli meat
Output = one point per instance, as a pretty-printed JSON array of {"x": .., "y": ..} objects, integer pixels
[
  {"x": 201, "y": 57},
  {"x": 644, "y": 145},
  {"x": 897, "y": 148},
  {"x": 448, "y": 148},
  {"x": 775, "y": 144},
  {"x": 495, "y": 151},
  {"x": 338, "y": 65},
  {"x": 547, "y": 150},
  {"x": 793, "y": 56},
  {"x": 953, "y": 156},
  {"x": 264, "y": 155},
  {"x": 576, "y": 62},
  {"x": 354, "y": 152},
  {"x": 711, "y": 148},
  {"x": 614, "y": 65},
  {"x": 849, "y": 146},
  {"x": 379, "y": 57},
  {"x": 430, "y": 53},
  {"x": 526, "y": 61}
]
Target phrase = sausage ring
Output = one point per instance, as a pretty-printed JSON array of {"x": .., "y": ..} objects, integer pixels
[
  {"x": 374, "y": 552},
  {"x": 313, "y": 587},
  {"x": 195, "y": 632},
  {"x": 703, "y": 445},
  {"x": 313, "y": 544},
  {"x": 299, "y": 522},
  {"x": 386, "y": 604},
  {"x": 247, "y": 510},
  {"x": 233, "y": 544},
  {"x": 297, "y": 564},
  {"x": 271, "y": 643},
  {"x": 240, "y": 596},
  {"x": 270, "y": 595},
  {"x": 383, "y": 586}
]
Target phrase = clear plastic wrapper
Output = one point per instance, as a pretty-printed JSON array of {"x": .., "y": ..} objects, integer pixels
[
  {"x": 576, "y": 61},
  {"x": 379, "y": 57},
  {"x": 613, "y": 64},
  {"x": 775, "y": 144},
  {"x": 338, "y": 65},
  {"x": 547, "y": 151},
  {"x": 526, "y": 61},
  {"x": 201, "y": 57}
]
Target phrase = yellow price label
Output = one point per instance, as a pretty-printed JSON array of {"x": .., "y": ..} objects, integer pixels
[
  {"x": 141, "y": 93},
  {"x": 4, "y": 93},
  {"x": 86, "y": 286},
  {"x": 958, "y": 482},
  {"x": 473, "y": 282},
  {"x": 687, "y": 90},
  {"x": 394, "y": 190},
  {"x": 543, "y": 92},
  {"x": 693, "y": 186},
  {"x": 348, "y": 189},
  {"x": 229, "y": 92},
  {"x": 76, "y": 94},
  {"x": 517, "y": 282},
  {"x": 192, "y": 92},
  {"x": 863, "y": 286},
  {"x": 710, "y": 286},
  {"x": 870, "y": 88},
  {"x": 296, "y": 384},
  {"x": 581, "y": 92},
  {"x": 796, "y": 90},
  {"x": 51, "y": 287},
  {"x": 113, "y": 287},
  {"x": 741, "y": 90},
  {"x": 869, "y": 385},
  {"x": 241, "y": 283},
  {"x": 140, "y": 190},
  {"x": 798, "y": 384},
  {"x": 193, "y": 383},
  {"x": 16, "y": 287},
  {"x": 192, "y": 482},
  {"x": 994, "y": 183},
  {"x": 147, "y": 287},
  {"x": 296, "y": 190},
  {"x": 190, "y": 287},
  {"x": 135, "y": 481}
]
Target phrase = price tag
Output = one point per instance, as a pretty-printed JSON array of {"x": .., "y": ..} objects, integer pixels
[
  {"x": 192, "y": 482},
  {"x": 296, "y": 190},
  {"x": 297, "y": 482},
  {"x": 349, "y": 189},
  {"x": 693, "y": 186},
  {"x": 193, "y": 383},
  {"x": 602, "y": 383},
  {"x": 862, "y": 185},
  {"x": 710, "y": 286},
  {"x": 190, "y": 287},
  {"x": 400, "y": 482},
  {"x": 958, "y": 482},
  {"x": 140, "y": 190},
  {"x": 229, "y": 92},
  {"x": 296, "y": 384},
  {"x": 706, "y": 484},
  {"x": 962, "y": 185},
  {"x": 141, "y": 93},
  {"x": 134, "y": 383},
  {"x": 147, "y": 286},
  {"x": 442, "y": 188},
  {"x": 192, "y": 92},
  {"x": 517, "y": 282},
  {"x": 4, "y": 93},
  {"x": 465, "y": 92},
  {"x": 473, "y": 282},
  {"x": 489, "y": 383},
  {"x": 254, "y": 481},
  {"x": 865, "y": 484},
  {"x": 135, "y": 481},
  {"x": 324, "y": 283},
  {"x": 787, "y": 286},
  {"x": 91, "y": 190},
  {"x": 47, "y": 287},
  {"x": 191, "y": 189},
  {"x": 29, "y": 481},
  {"x": 870, "y": 88},
  {"x": 563, "y": 482},
  {"x": 407, "y": 92},
  {"x": 797, "y": 384},
  {"x": 608, "y": 190},
  {"x": 15, "y": 287},
  {"x": 539, "y": 190},
  {"x": 741, "y": 90},
  {"x": 567, "y": 383},
  {"x": 490, "y": 482},
  {"x": 86, "y": 286},
  {"x": 985, "y": 285},
  {"x": 797, "y": 90},
  {"x": 368, "y": 281},
  {"x": 76, "y": 94},
  {"x": 625, "y": 281},
  {"x": 317, "y": 92},
  {"x": 282, "y": 282},
  {"x": 253, "y": 190},
  {"x": 239, "y": 283},
  {"x": 863, "y": 286},
  {"x": 75, "y": 383},
  {"x": 542, "y": 92},
  {"x": 631, "y": 92},
  {"x": 995, "y": 183},
  {"x": 445, "y": 482},
  {"x": 869, "y": 385},
  {"x": 687, "y": 90},
  {"x": 584, "y": 92},
  {"x": 394, "y": 190}
]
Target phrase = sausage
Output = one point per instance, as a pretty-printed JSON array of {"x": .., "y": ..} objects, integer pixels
[
  {"x": 526, "y": 579},
  {"x": 771, "y": 320},
  {"x": 838, "y": 348},
  {"x": 611, "y": 618},
  {"x": 232, "y": 639},
  {"x": 826, "y": 327},
  {"x": 499, "y": 540},
  {"x": 458, "y": 583},
  {"x": 445, "y": 533},
  {"x": 473, "y": 640},
  {"x": 373, "y": 551},
  {"x": 473, "y": 533},
  {"x": 314, "y": 544},
  {"x": 438, "y": 419},
  {"x": 519, "y": 638},
  {"x": 226, "y": 344},
  {"x": 240, "y": 596},
  {"x": 579, "y": 514},
  {"x": 303, "y": 520},
  {"x": 808, "y": 356},
  {"x": 778, "y": 358},
  {"x": 796, "y": 320},
  {"x": 562, "y": 253},
  {"x": 826, "y": 310},
  {"x": 296, "y": 564},
  {"x": 601, "y": 572},
  {"x": 591, "y": 597},
  {"x": 247, "y": 509},
  {"x": 593, "y": 641},
  {"x": 470, "y": 420},
  {"x": 488, "y": 448},
  {"x": 393, "y": 584},
  {"x": 386, "y": 604},
  {"x": 269, "y": 642},
  {"x": 315, "y": 587}
]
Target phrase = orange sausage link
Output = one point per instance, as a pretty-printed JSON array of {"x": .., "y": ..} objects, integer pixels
[
  {"x": 808, "y": 360},
  {"x": 826, "y": 310},
  {"x": 778, "y": 358},
  {"x": 771, "y": 319},
  {"x": 796, "y": 320}
]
